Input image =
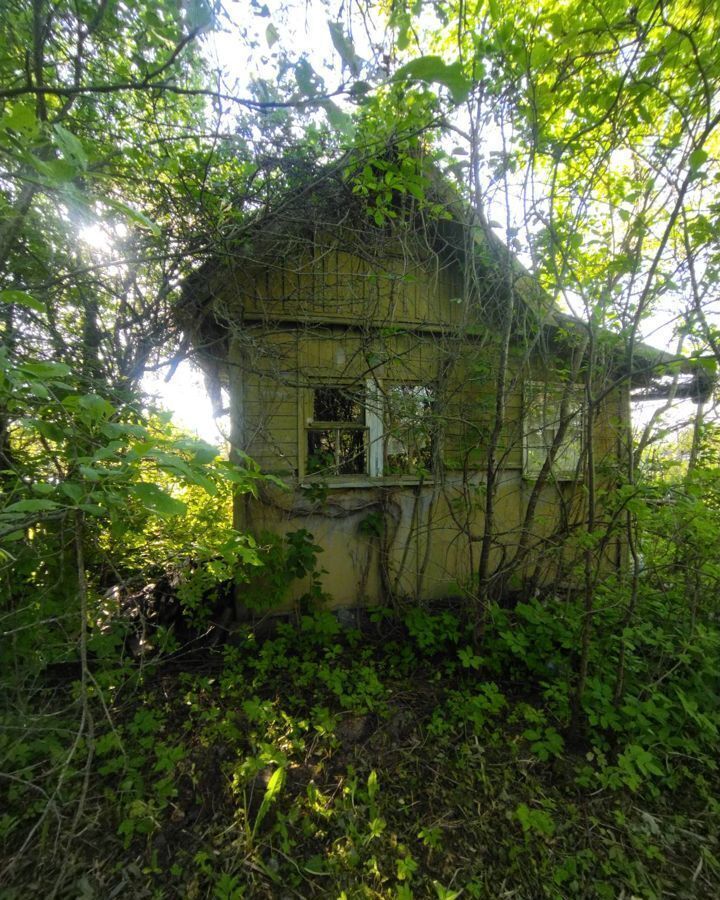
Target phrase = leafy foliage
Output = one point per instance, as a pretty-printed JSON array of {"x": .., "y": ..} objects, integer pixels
[
  {"x": 334, "y": 759},
  {"x": 553, "y": 744}
]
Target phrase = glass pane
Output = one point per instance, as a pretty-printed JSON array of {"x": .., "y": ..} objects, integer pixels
[
  {"x": 321, "y": 452},
  {"x": 337, "y": 404},
  {"x": 535, "y": 459},
  {"x": 567, "y": 458},
  {"x": 543, "y": 419},
  {"x": 408, "y": 429},
  {"x": 352, "y": 452},
  {"x": 336, "y": 451}
]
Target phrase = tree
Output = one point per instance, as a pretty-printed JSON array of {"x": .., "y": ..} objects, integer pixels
[
  {"x": 602, "y": 152},
  {"x": 589, "y": 131},
  {"x": 109, "y": 121}
]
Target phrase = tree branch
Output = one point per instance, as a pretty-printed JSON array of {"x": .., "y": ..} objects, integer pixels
[{"x": 148, "y": 84}]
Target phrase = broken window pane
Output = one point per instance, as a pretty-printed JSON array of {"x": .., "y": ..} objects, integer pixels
[
  {"x": 542, "y": 421},
  {"x": 337, "y": 436},
  {"x": 337, "y": 404},
  {"x": 409, "y": 428},
  {"x": 351, "y": 455},
  {"x": 321, "y": 452}
]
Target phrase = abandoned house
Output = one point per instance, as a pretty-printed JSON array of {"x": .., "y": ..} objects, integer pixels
[{"x": 392, "y": 363}]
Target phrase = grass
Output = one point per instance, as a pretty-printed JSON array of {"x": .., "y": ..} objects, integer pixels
[{"x": 324, "y": 762}]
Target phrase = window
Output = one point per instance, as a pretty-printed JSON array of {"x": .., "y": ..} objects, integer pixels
[
  {"x": 337, "y": 433},
  {"x": 542, "y": 421},
  {"x": 369, "y": 430},
  {"x": 408, "y": 436}
]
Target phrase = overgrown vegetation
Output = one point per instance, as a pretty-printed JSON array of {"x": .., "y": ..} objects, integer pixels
[
  {"x": 537, "y": 738},
  {"x": 392, "y": 761}
]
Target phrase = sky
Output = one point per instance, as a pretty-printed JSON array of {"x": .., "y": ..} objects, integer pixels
[
  {"x": 243, "y": 46},
  {"x": 186, "y": 397},
  {"x": 303, "y": 26}
]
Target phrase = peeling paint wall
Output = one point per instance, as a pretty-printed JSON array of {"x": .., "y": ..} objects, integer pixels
[{"x": 335, "y": 320}]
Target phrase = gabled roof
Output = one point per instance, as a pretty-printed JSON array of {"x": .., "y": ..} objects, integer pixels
[{"x": 324, "y": 200}]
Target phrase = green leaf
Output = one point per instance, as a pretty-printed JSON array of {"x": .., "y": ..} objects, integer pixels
[
  {"x": 157, "y": 501},
  {"x": 306, "y": 78},
  {"x": 89, "y": 473},
  {"x": 48, "y": 430},
  {"x": 21, "y": 298},
  {"x": 401, "y": 21},
  {"x": 98, "y": 408},
  {"x": 30, "y": 506},
  {"x": 432, "y": 69},
  {"x": 199, "y": 14},
  {"x": 42, "y": 487},
  {"x": 244, "y": 478},
  {"x": 57, "y": 172},
  {"x": 271, "y": 35},
  {"x": 535, "y": 820},
  {"x": 170, "y": 462},
  {"x": 697, "y": 158},
  {"x": 339, "y": 120},
  {"x": 275, "y": 785},
  {"x": 73, "y": 490},
  {"x": 21, "y": 117},
  {"x": 133, "y": 214},
  {"x": 344, "y": 47},
  {"x": 70, "y": 146},
  {"x": 46, "y": 369},
  {"x": 360, "y": 89},
  {"x": 38, "y": 389},
  {"x": 444, "y": 893},
  {"x": 201, "y": 451},
  {"x": 118, "y": 429},
  {"x": 372, "y": 785}
]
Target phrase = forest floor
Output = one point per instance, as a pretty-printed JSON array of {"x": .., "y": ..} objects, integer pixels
[{"x": 329, "y": 762}]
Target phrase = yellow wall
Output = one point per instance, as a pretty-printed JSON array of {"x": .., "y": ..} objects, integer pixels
[
  {"x": 332, "y": 319},
  {"x": 331, "y": 284}
]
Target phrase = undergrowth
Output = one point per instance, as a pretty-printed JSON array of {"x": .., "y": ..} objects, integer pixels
[{"x": 390, "y": 762}]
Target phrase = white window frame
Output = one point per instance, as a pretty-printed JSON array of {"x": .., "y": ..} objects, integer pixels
[
  {"x": 541, "y": 417},
  {"x": 428, "y": 387},
  {"x": 375, "y": 409},
  {"x": 312, "y": 424}
]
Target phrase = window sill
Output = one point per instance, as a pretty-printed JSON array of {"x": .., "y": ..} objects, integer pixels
[
  {"x": 364, "y": 481},
  {"x": 561, "y": 477}
]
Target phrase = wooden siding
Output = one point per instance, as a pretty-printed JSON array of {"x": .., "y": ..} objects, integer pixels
[
  {"x": 332, "y": 319},
  {"x": 275, "y": 369},
  {"x": 334, "y": 285}
]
